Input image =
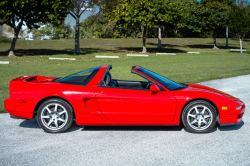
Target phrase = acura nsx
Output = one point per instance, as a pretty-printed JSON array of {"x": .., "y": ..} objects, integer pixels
[{"x": 93, "y": 97}]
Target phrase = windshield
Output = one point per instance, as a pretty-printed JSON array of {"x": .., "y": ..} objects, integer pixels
[
  {"x": 171, "y": 85},
  {"x": 81, "y": 78}
]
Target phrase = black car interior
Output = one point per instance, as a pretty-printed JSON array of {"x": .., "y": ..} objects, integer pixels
[{"x": 109, "y": 82}]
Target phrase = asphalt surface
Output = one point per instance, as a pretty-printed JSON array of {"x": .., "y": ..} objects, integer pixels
[{"x": 23, "y": 142}]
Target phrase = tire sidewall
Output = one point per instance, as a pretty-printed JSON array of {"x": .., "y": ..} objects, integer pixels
[
  {"x": 65, "y": 105},
  {"x": 189, "y": 106}
]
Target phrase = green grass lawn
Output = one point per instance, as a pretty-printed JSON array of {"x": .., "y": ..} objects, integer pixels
[{"x": 33, "y": 59}]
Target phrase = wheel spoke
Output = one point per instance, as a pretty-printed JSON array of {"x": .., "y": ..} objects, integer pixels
[
  {"x": 194, "y": 121},
  {"x": 56, "y": 124},
  {"x": 62, "y": 120},
  {"x": 45, "y": 117},
  {"x": 204, "y": 121},
  {"x": 50, "y": 122},
  {"x": 196, "y": 110},
  {"x": 55, "y": 107},
  {"x": 207, "y": 116},
  {"x": 193, "y": 116},
  {"x": 62, "y": 112},
  {"x": 199, "y": 124},
  {"x": 47, "y": 108},
  {"x": 203, "y": 111}
]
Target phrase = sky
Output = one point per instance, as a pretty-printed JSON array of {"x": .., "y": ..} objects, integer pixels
[{"x": 69, "y": 19}]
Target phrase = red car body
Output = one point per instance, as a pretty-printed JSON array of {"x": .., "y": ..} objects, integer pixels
[{"x": 96, "y": 105}]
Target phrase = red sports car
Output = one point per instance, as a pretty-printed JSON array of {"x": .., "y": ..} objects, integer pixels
[{"x": 93, "y": 97}]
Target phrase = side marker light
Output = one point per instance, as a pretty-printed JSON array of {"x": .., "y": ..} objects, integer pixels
[
  {"x": 224, "y": 108},
  {"x": 22, "y": 102}
]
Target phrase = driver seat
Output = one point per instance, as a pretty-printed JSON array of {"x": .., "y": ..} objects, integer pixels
[{"x": 108, "y": 80}]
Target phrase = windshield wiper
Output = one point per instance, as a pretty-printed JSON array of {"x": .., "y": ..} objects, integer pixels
[
  {"x": 185, "y": 85},
  {"x": 180, "y": 87},
  {"x": 56, "y": 79}
]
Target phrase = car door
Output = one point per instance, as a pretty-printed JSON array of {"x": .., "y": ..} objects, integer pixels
[{"x": 133, "y": 105}]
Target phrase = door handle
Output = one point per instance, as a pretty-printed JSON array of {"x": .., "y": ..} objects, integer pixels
[{"x": 101, "y": 91}]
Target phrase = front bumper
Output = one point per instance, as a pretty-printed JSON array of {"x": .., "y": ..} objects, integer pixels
[
  {"x": 232, "y": 119},
  {"x": 231, "y": 124}
]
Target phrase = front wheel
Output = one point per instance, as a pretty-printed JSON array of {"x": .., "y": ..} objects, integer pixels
[
  {"x": 55, "y": 116},
  {"x": 199, "y": 117}
]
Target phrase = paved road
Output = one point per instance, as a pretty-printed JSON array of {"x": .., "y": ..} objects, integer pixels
[{"x": 22, "y": 142}]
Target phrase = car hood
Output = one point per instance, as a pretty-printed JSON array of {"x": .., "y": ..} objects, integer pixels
[{"x": 211, "y": 90}]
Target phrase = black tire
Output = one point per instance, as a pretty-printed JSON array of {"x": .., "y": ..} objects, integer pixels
[
  {"x": 202, "y": 121},
  {"x": 55, "y": 115}
]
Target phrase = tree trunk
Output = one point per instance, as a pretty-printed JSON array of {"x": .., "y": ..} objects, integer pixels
[
  {"x": 240, "y": 45},
  {"x": 13, "y": 44},
  {"x": 163, "y": 32},
  {"x": 226, "y": 36},
  {"x": 144, "y": 49},
  {"x": 142, "y": 30},
  {"x": 214, "y": 36},
  {"x": 77, "y": 43},
  {"x": 241, "y": 4},
  {"x": 159, "y": 38}
]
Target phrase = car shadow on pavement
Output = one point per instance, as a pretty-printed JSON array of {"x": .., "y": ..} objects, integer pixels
[
  {"x": 30, "y": 123},
  {"x": 222, "y": 128},
  {"x": 33, "y": 124},
  {"x": 213, "y": 130},
  {"x": 230, "y": 128},
  {"x": 133, "y": 128},
  {"x": 73, "y": 127}
]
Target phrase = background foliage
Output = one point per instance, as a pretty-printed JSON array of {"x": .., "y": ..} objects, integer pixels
[{"x": 125, "y": 18}]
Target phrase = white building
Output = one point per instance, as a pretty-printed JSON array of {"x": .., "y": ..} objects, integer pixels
[{"x": 7, "y": 31}]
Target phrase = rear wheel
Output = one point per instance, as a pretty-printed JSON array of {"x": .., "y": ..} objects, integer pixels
[
  {"x": 55, "y": 116},
  {"x": 199, "y": 117}
]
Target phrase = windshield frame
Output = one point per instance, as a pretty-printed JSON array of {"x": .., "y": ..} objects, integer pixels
[{"x": 163, "y": 81}]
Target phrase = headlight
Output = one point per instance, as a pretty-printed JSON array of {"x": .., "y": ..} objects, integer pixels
[{"x": 238, "y": 107}]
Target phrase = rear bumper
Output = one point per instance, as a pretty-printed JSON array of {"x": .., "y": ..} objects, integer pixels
[
  {"x": 10, "y": 107},
  {"x": 14, "y": 117}
]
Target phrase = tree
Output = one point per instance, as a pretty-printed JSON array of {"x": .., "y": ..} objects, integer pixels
[
  {"x": 239, "y": 22},
  {"x": 100, "y": 28},
  {"x": 207, "y": 15},
  {"x": 15, "y": 13},
  {"x": 173, "y": 23},
  {"x": 241, "y": 3},
  {"x": 147, "y": 13},
  {"x": 51, "y": 31},
  {"x": 78, "y": 7}
]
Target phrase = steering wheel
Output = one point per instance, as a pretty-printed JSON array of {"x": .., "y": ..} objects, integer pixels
[{"x": 148, "y": 85}]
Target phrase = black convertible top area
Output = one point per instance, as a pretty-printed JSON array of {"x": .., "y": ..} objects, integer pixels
[{"x": 81, "y": 78}]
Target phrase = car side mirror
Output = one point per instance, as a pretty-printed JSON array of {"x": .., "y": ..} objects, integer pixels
[{"x": 154, "y": 89}]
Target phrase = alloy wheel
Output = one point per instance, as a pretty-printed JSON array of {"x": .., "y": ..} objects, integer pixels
[
  {"x": 54, "y": 116},
  {"x": 199, "y": 117}
]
